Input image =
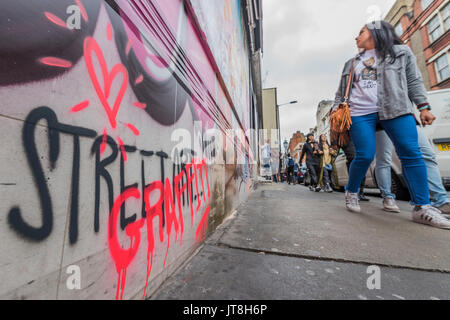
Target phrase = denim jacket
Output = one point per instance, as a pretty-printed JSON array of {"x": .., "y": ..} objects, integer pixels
[{"x": 399, "y": 84}]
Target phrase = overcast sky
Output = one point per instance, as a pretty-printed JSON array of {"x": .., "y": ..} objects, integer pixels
[{"x": 306, "y": 43}]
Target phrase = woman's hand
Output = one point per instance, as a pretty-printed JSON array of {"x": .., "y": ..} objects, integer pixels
[
  {"x": 426, "y": 117},
  {"x": 333, "y": 152}
]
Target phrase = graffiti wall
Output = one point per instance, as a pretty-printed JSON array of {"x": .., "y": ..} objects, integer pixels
[
  {"x": 233, "y": 62},
  {"x": 94, "y": 96}
]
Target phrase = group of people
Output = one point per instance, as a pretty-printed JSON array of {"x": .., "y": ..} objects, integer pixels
[
  {"x": 385, "y": 82},
  {"x": 319, "y": 162},
  {"x": 319, "y": 159}
]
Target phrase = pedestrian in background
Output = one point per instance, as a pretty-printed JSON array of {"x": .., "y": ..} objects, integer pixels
[
  {"x": 326, "y": 164},
  {"x": 296, "y": 170},
  {"x": 438, "y": 194},
  {"x": 310, "y": 150},
  {"x": 290, "y": 168},
  {"x": 386, "y": 79}
]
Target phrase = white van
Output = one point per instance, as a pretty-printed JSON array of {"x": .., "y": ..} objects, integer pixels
[{"x": 439, "y": 132}]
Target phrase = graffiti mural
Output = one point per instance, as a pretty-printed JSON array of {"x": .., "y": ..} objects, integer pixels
[
  {"x": 87, "y": 114},
  {"x": 232, "y": 62}
]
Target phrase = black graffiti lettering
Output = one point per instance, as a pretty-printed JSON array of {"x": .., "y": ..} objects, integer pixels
[
  {"x": 102, "y": 161},
  {"x": 28, "y": 135},
  {"x": 190, "y": 154},
  {"x": 144, "y": 153},
  {"x": 73, "y": 226},
  {"x": 29, "y": 141},
  {"x": 162, "y": 155},
  {"x": 130, "y": 148},
  {"x": 100, "y": 171},
  {"x": 209, "y": 148},
  {"x": 175, "y": 171},
  {"x": 124, "y": 221},
  {"x": 76, "y": 132},
  {"x": 143, "y": 186},
  {"x": 147, "y": 153}
]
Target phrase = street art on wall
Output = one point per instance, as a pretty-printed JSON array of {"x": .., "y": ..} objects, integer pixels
[
  {"x": 87, "y": 115},
  {"x": 233, "y": 63}
]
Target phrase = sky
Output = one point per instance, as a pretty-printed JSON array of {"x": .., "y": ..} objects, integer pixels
[{"x": 306, "y": 43}]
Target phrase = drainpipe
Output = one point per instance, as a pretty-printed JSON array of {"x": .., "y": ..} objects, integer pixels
[{"x": 251, "y": 24}]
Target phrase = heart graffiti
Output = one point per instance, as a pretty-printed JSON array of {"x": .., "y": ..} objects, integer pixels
[{"x": 91, "y": 47}]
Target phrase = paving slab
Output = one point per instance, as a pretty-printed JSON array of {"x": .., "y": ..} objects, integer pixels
[
  {"x": 218, "y": 273},
  {"x": 291, "y": 220}
]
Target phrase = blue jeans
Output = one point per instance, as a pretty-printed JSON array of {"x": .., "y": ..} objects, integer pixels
[
  {"x": 438, "y": 194},
  {"x": 403, "y": 133}
]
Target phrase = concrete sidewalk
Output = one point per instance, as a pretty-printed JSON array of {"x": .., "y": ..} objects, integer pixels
[{"x": 286, "y": 242}]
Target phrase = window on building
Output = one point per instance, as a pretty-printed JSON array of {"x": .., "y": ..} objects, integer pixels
[
  {"x": 399, "y": 29},
  {"x": 435, "y": 28},
  {"x": 442, "y": 67},
  {"x": 445, "y": 13},
  {"x": 426, "y": 3}
]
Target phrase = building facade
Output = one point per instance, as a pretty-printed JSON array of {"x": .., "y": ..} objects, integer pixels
[
  {"x": 107, "y": 163},
  {"x": 270, "y": 125},
  {"x": 296, "y": 145},
  {"x": 424, "y": 25},
  {"x": 323, "y": 118}
]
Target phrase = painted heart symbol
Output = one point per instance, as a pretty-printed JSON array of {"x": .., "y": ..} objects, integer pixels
[{"x": 91, "y": 46}]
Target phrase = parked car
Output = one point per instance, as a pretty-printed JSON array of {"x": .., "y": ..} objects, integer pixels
[
  {"x": 439, "y": 132},
  {"x": 300, "y": 177},
  {"x": 398, "y": 186}
]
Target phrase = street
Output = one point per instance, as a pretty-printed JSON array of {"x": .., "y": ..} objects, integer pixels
[{"x": 286, "y": 242}]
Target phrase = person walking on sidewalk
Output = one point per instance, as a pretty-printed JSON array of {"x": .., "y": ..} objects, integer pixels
[
  {"x": 296, "y": 169},
  {"x": 386, "y": 80},
  {"x": 290, "y": 168},
  {"x": 326, "y": 164},
  {"x": 312, "y": 161},
  {"x": 438, "y": 194},
  {"x": 349, "y": 151}
]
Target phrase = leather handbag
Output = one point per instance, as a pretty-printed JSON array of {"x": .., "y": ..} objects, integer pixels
[{"x": 340, "y": 120}]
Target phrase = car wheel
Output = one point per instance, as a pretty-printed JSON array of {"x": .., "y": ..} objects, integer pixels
[{"x": 401, "y": 193}]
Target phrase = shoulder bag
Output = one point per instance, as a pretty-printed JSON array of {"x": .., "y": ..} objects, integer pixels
[{"x": 340, "y": 120}]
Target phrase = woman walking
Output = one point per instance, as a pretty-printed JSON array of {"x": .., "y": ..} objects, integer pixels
[
  {"x": 385, "y": 82},
  {"x": 327, "y": 168}
]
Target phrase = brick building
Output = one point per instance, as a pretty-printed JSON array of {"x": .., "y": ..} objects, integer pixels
[
  {"x": 424, "y": 25},
  {"x": 296, "y": 145}
]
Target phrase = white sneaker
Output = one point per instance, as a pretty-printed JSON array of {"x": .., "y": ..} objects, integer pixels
[
  {"x": 390, "y": 205},
  {"x": 352, "y": 202},
  {"x": 445, "y": 210},
  {"x": 431, "y": 216}
]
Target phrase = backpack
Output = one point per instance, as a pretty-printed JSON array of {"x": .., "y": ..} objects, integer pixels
[{"x": 291, "y": 162}]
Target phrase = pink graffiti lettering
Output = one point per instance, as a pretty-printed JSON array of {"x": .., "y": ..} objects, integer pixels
[{"x": 91, "y": 47}]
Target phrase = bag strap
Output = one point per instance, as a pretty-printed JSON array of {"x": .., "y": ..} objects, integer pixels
[{"x": 350, "y": 78}]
